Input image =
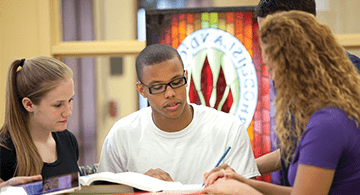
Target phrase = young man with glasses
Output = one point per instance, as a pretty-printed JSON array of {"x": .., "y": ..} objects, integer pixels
[{"x": 173, "y": 140}]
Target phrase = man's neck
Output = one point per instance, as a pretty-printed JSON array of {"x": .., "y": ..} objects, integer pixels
[{"x": 176, "y": 124}]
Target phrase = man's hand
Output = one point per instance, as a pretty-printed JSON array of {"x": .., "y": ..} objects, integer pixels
[
  {"x": 20, "y": 180},
  {"x": 159, "y": 174}
]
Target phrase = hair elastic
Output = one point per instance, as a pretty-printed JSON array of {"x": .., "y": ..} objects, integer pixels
[{"x": 22, "y": 62}]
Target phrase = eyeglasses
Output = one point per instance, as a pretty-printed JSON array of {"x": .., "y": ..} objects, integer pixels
[{"x": 176, "y": 83}]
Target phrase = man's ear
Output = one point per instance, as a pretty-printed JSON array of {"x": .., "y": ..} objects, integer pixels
[
  {"x": 28, "y": 105},
  {"x": 141, "y": 89}
]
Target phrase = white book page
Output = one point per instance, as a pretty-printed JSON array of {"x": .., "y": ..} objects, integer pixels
[
  {"x": 12, "y": 190},
  {"x": 137, "y": 180}
]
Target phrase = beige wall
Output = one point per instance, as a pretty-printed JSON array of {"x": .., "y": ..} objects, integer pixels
[
  {"x": 343, "y": 18},
  {"x": 22, "y": 35},
  {"x": 233, "y": 3}
]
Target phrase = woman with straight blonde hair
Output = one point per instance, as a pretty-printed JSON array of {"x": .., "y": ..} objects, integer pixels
[
  {"x": 317, "y": 103},
  {"x": 34, "y": 142}
]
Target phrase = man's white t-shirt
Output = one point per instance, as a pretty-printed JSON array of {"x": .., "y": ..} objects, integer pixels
[{"x": 135, "y": 144}]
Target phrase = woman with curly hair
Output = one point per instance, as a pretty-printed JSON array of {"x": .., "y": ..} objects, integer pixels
[{"x": 317, "y": 103}]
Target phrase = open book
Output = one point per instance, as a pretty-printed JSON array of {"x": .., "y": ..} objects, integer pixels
[{"x": 139, "y": 181}]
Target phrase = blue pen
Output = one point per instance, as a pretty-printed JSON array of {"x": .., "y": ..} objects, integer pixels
[
  {"x": 221, "y": 159},
  {"x": 223, "y": 156}
]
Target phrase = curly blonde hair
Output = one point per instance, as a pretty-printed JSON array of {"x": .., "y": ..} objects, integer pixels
[{"x": 312, "y": 72}]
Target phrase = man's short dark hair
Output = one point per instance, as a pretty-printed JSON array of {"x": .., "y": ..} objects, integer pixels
[
  {"x": 266, "y": 7},
  {"x": 155, "y": 54}
]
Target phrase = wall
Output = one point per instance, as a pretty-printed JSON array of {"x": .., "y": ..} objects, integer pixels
[
  {"x": 232, "y": 3},
  {"x": 343, "y": 18},
  {"x": 22, "y": 35}
]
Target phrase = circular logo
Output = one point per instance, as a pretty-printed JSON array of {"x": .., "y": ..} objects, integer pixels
[{"x": 221, "y": 73}]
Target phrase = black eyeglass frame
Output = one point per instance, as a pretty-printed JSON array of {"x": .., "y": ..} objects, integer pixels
[{"x": 167, "y": 84}]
